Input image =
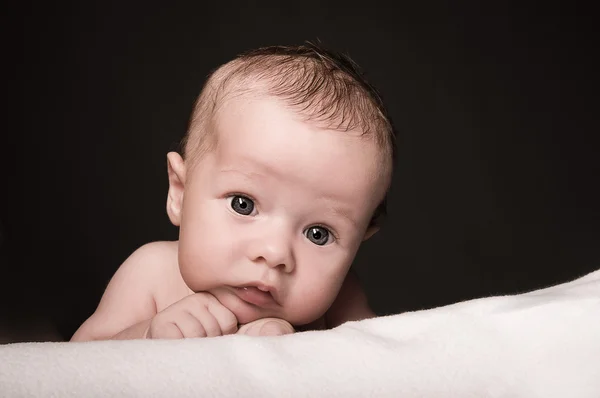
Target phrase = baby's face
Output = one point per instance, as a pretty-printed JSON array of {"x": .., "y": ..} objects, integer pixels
[{"x": 272, "y": 218}]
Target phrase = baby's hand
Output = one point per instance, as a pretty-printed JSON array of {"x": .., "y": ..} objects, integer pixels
[
  {"x": 197, "y": 315},
  {"x": 266, "y": 327}
]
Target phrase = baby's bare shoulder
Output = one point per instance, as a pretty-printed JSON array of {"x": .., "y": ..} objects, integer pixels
[
  {"x": 163, "y": 271},
  {"x": 159, "y": 250},
  {"x": 134, "y": 292},
  {"x": 156, "y": 259}
]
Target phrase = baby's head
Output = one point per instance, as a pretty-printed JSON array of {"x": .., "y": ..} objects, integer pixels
[{"x": 284, "y": 172}]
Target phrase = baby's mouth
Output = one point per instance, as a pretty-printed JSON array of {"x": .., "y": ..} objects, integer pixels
[{"x": 256, "y": 295}]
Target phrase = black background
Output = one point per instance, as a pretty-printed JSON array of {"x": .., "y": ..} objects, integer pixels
[{"x": 495, "y": 191}]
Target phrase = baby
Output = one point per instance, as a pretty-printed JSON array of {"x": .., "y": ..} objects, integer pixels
[{"x": 284, "y": 172}]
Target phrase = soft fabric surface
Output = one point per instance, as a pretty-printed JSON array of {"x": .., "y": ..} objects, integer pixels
[{"x": 540, "y": 344}]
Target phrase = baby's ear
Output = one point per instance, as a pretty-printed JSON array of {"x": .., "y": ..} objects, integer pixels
[
  {"x": 372, "y": 230},
  {"x": 176, "y": 170}
]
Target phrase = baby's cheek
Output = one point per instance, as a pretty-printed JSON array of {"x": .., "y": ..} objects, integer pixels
[
  {"x": 199, "y": 264},
  {"x": 319, "y": 281},
  {"x": 188, "y": 266},
  {"x": 312, "y": 302},
  {"x": 214, "y": 260}
]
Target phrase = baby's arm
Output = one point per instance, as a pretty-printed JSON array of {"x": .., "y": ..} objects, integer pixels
[
  {"x": 127, "y": 306},
  {"x": 351, "y": 304}
]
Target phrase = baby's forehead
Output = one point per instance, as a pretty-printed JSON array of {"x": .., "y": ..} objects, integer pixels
[
  {"x": 236, "y": 103},
  {"x": 257, "y": 110},
  {"x": 264, "y": 131}
]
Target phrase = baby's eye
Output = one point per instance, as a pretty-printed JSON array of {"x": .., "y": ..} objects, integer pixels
[
  {"x": 318, "y": 235},
  {"x": 242, "y": 204}
]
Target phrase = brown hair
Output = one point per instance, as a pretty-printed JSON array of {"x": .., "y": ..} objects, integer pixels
[{"x": 325, "y": 87}]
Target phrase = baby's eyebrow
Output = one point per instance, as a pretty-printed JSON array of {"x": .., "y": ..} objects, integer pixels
[
  {"x": 243, "y": 173},
  {"x": 345, "y": 213}
]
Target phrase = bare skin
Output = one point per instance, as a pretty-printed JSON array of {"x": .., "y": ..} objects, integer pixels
[
  {"x": 152, "y": 273},
  {"x": 269, "y": 224}
]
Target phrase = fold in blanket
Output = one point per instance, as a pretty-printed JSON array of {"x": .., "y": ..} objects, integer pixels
[{"x": 544, "y": 343}]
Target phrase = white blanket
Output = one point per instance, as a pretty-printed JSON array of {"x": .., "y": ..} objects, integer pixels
[{"x": 540, "y": 344}]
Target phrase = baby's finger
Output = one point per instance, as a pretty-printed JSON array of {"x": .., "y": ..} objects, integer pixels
[
  {"x": 228, "y": 322},
  {"x": 275, "y": 327},
  {"x": 166, "y": 330},
  {"x": 267, "y": 327},
  {"x": 209, "y": 323},
  {"x": 190, "y": 326}
]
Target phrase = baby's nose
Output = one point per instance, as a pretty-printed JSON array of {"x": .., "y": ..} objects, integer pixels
[
  {"x": 275, "y": 250},
  {"x": 278, "y": 254}
]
